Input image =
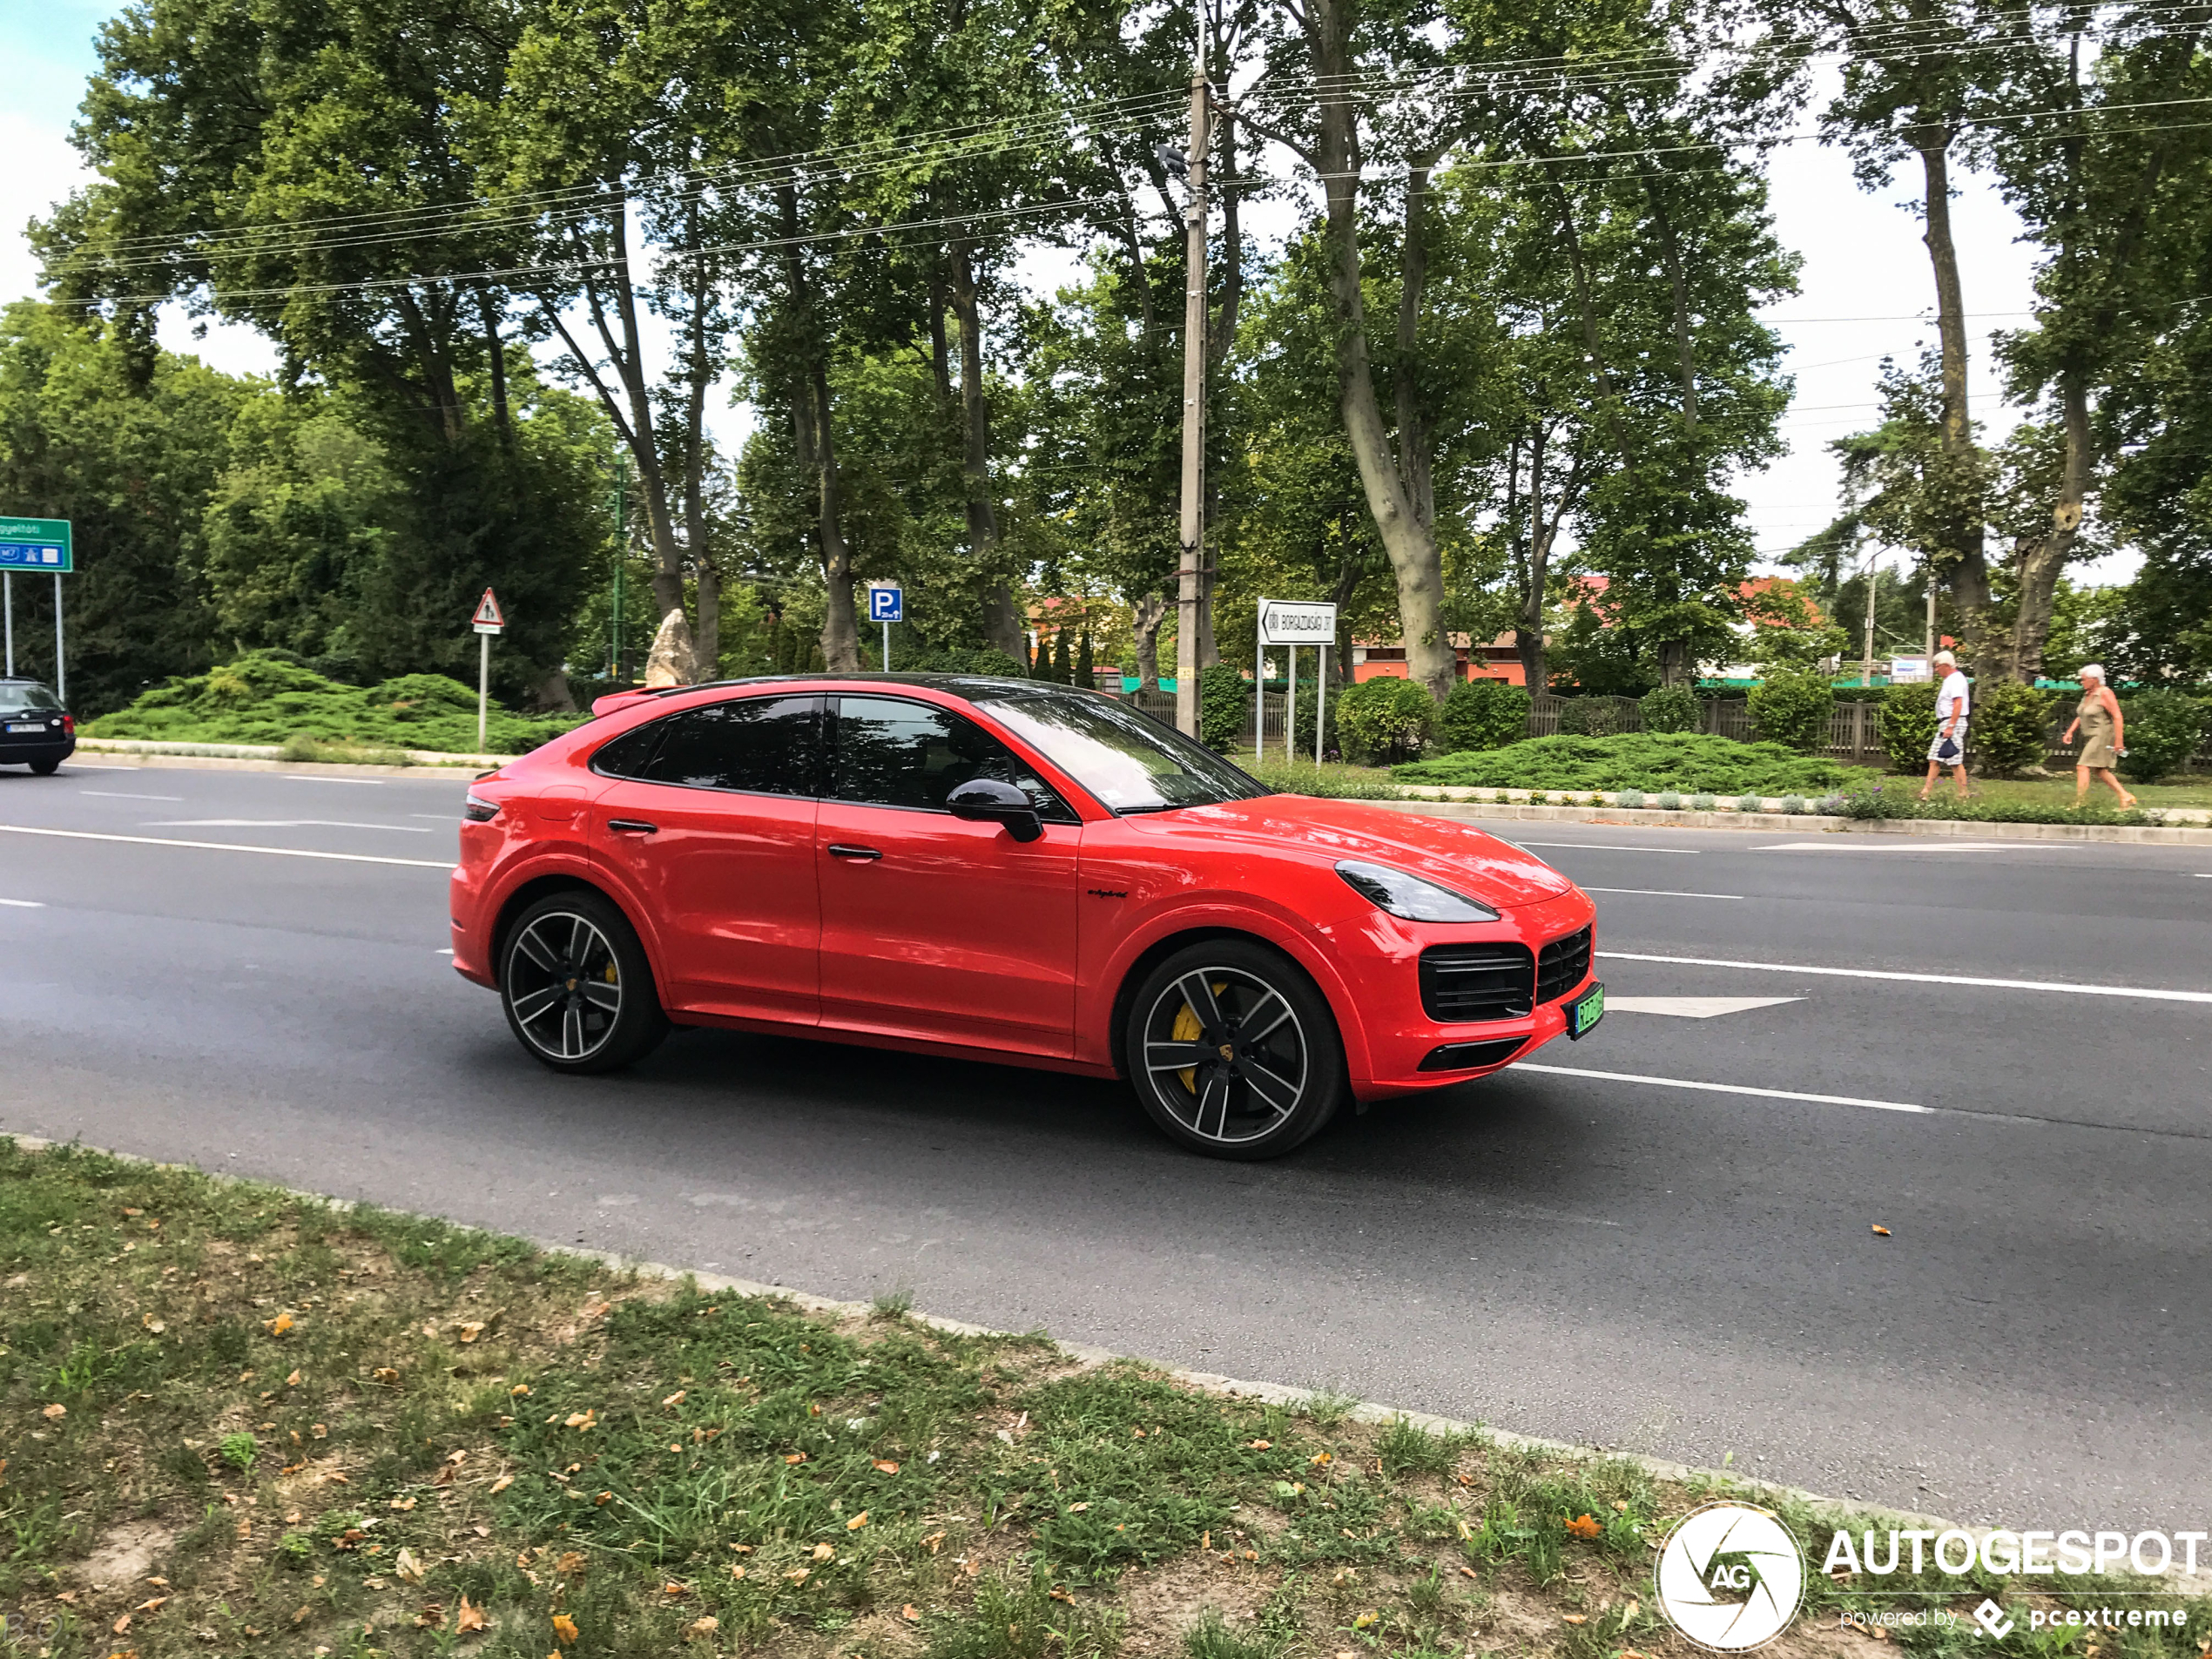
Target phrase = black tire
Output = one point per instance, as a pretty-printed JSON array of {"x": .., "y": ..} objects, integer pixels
[
  {"x": 578, "y": 993},
  {"x": 46, "y": 768},
  {"x": 1282, "y": 1076}
]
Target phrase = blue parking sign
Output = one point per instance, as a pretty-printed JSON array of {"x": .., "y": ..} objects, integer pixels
[{"x": 885, "y": 602}]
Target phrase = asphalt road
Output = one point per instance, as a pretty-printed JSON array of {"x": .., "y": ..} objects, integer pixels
[{"x": 1589, "y": 1252}]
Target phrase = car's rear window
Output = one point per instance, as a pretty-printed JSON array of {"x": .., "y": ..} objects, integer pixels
[{"x": 21, "y": 697}]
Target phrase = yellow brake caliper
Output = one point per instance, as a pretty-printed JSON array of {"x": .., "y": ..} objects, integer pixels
[{"x": 1188, "y": 1029}]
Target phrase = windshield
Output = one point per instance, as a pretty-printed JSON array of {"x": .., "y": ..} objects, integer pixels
[
  {"x": 1129, "y": 761},
  {"x": 20, "y": 697}
]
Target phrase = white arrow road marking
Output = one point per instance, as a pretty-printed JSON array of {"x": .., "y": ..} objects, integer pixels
[
  {"x": 1916, "y": 979},
  {"x": 1728, "y": 1089},
  {"x": 229, "y": 846},
  {"x": 1693, "y": 1007}
]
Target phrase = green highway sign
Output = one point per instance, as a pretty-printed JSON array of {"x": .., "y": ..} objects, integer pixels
[{"x": 36, "y": 544}]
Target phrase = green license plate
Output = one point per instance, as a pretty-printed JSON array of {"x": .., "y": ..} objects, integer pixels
[{"x": 1585, "y": 1011}]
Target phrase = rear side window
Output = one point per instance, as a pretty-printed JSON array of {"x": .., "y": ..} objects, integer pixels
[
  {"x": 764, "y": 745},
  {"x": 891, "y": 752}
]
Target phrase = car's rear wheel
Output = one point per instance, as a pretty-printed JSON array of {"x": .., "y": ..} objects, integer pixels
[
  {"x": 1233, "y": 1052},
  {"x": 579, "y": 992},
  {"x": 46, "y": 768}
]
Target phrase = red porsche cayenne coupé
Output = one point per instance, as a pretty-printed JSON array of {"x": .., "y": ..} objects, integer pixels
[{"x": 1003, "y": 870}]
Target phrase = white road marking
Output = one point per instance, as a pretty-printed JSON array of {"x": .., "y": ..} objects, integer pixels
[
  {"x": 1694, "y": 1007},
  {"x": 1918, "y": 979},
  {"x": 229, "y": 846},
  {"x": 120, "y": 794},
  {"x": 448, "y": 951},
  {"x": 1614, "y": 847},
  {"x": 1845, "y": 846},
  {"x": 1663, "y": 892},
  {"x": 23, "y": 904},
  {"x": 280, "y": 823},
  {"x": 1730, "y": 1088},
  {"x": 321, "y": 778},
  {"x": 86, "y": 765}
]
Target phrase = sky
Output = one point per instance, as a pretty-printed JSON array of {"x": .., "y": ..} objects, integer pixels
[{"x": 1865, "y": 289}]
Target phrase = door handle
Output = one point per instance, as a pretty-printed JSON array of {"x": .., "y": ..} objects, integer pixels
[
  {"x": 633, "y": 827},
  {"x": 862, "y": 854}
]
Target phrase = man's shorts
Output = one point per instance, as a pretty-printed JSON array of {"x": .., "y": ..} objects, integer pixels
[{"x": 1957, "y": 756}]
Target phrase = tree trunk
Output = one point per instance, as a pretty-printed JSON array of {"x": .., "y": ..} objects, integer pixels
[
  {"x": 1410, "y": 544},
  {"x": 841, "y": 631},
  {"x": 1001, "y": 622},
  {"x": 1970, "y": 571},
  {"x": 707, "y": 635},
  {"x": 1148, "y": 615},
  {"x": 2041, "y": 558},
  {"x": 496, "y": 353}
]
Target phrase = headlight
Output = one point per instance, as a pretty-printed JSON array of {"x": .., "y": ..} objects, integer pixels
[{"x": 1409, "y": 896}]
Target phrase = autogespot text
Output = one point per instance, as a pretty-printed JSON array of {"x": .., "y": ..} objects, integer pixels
[{"x": 2009, "y": 1554}]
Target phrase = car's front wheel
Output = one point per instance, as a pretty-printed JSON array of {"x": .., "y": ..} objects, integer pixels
[
  {"x": 576, "y": 985},
  {"x": 1233, "y": 1051}
]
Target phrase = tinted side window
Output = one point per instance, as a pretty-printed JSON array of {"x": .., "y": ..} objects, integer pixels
[
  {"x": 628, "y": 755},
  {"x": 891, "y": 752},
  {"x": 768, "y": 745}
]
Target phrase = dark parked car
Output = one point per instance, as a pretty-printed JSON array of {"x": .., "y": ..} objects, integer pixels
[{"x": 35, "y": 730}]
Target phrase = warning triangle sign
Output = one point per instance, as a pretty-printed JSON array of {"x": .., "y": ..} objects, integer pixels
[{"x": 487, "y": 611}]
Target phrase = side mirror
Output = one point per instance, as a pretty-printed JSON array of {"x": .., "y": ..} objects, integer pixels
[{"x": 987, "y": 800}]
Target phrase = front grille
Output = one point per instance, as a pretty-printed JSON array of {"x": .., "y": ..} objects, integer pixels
[
  {"x": 1564, "y": 964},
  {"x": 1464, "y": 983}
]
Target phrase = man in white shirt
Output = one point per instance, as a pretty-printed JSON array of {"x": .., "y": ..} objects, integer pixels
[{"x": 1949, "y": 748}]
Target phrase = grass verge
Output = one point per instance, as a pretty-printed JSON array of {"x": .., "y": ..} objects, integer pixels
[{"x": 240, "y": 1422}]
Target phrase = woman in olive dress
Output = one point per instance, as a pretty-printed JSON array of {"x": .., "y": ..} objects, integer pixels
[{"x": 2103, "y": 735}]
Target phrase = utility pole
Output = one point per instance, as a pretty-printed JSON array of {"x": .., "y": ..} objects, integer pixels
[
  {"x": 1192, "y": 531},
  {"x": 1873, "y": 587},
  {"x": 622, "y": 547}
]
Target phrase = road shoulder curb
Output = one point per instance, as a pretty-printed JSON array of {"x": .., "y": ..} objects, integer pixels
[{"x": 1808, "y": 823}]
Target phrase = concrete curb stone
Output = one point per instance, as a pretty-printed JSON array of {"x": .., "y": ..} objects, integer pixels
[{"x": 1810, "y": 823}]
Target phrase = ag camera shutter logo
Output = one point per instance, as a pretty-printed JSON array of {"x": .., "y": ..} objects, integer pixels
[{"x": 1730, "y": 1577}]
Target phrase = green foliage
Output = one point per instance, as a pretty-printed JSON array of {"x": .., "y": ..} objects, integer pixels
[
  {"x": 1670, "y": 708},
  {"x": 1302, "y": 723},
  {"x": 1681, "y": 761},
  {"x": 1906, "y": 723},
  {"x": 266, "y": 697},
  {"x": 2009, "y": 727},
  {"x": 1590, "y": 717},
  {"x": 1225, "y": 707},
  {"x": 2163, "y": 730},
  {"x": 1384, "y": 719},
  {"x": 1899, "y": 801},
  {"x": 1791, "y": 706},
  {"x": 1483, "y": 714}
]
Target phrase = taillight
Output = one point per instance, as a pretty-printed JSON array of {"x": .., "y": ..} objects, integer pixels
[
  {"x": 69, "y": 725},
  {"x": 477, "y": 810}
]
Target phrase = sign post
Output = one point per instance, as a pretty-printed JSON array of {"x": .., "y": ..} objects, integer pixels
[
  {"x": 1293, "y": 623},
  {"x": 487, "y": 621},
  {"x": 41, "y": 544},
  {"x": 887, "y": 604}
]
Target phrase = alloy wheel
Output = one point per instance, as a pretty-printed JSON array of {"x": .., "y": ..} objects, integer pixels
[
  {"x": 1227, "y": 1055},
  {"x": 563, "y": 985}
]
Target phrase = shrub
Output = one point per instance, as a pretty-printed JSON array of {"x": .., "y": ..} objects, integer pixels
[
  {"x": 1629, "y": 798},
  {"x": 1223, "y": 708},
  {"x": 1483, "y": 714},
  {"x": 1792, "y": 706},
  {"x": 1793, "y": 803},
  {"x": 1381, "y": 721},
  {"x": 1672, "y": 708},
  {"x": 1907, "y": 723},
  {"x": 1589, "y": 717},
  {"x": 1683, "y": 761},
  {"x": 2161, "y": 728},
  {"x": 1703, "y": 803},
  {"x": 2008, "y": 726},
  {"x": 1749, "y": 804},
  {"x": 1878, "y": 803},
  {"x": 1302, "y": 723},
  {"x": 1669, "y": 801}
]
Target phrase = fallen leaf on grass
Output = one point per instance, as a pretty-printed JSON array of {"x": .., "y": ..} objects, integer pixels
[
  {"x": 1466, "y": 1572},
  {"x": 303, "y": 1614},
  {"x": 55, "y": 1414},
  {"x": 824, "y": 1553},
  {"x": 501, "y": 1484},
  {"x": 676, "y": 1398},
  {"x": 700, "y": 1629},
  {"x": 1365, "y": 1620},
  {"x": 402, "y": 1503},
  {"x": 1321, "y": 1457},
  {"x": 121, "y": 1624},
  {"x": 564, "y": 1630},
  {"x": 280, "y": 1325},
  {"x": 408, "y": 1566},
  {"x": 676, "y": 1589},
  {"x": 572, "y": 1562},
  {"x": 932, "y": 1542},
  {"x": 1059, "y": 1592},
  {"x": 1584, "y": 1526},
  {"x": 737, "y": 1571},
  {"x": 1260, "y": 1446},
  {"x": 910, "y": 1613},
  {"x": 471, "y": 1330},
  {"x": 1574, "y": 1618},
  {"x": 857, "y": 1522},
  {"x": 797, "y": 1575},
  {"x": 384, "y": 1374},
  {"x": 796, "y": 1457},
  {"x": 293, "y": 1381},
  {"x": 884, "y": 1466}
]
